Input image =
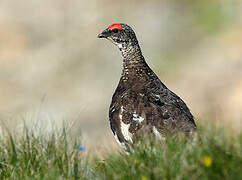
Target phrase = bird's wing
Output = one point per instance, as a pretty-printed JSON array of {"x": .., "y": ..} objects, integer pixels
[
  {"x": 171, "y": 112},
  {"x": 127, "y": 116}
]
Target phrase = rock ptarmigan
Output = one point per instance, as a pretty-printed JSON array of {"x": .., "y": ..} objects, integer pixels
[{"x": 141, "y": 101}]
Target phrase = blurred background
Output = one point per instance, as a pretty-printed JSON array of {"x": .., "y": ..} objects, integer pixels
[{"x": 54, "y": 69}]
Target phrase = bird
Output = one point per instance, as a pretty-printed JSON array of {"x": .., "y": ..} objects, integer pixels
[{"x": 141, "y": 102}]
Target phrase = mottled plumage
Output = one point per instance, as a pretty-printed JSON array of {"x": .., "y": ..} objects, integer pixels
[{"x": 141, "y": 102}]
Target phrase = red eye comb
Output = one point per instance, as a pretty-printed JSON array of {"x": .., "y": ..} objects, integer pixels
[{"x": 115, "y": 26}]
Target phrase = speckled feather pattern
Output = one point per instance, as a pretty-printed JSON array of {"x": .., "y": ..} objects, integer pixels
[{"x": 141, "y": 101}]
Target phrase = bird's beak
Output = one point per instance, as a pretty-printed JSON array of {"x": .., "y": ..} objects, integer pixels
[
  {"x": 101, "y": 35},
  {"x": 106, "y": 33}
]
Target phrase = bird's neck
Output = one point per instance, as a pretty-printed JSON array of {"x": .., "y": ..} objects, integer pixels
[
  {"x": 132, "y": 56},
  {"x": 134, "y": 66}
]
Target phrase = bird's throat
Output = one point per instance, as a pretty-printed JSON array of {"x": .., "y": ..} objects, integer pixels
[
  {"x": 132, "y": 56},
  {"x": 133, "y": 61}
]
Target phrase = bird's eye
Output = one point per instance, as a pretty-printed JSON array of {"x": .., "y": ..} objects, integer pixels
[{"x": 115, "y": 30}]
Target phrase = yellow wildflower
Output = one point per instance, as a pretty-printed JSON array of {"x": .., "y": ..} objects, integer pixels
[
  {"x": 136, "y": 161},
  {"x": 144, "y": 178},
  {"x": 207, "y": 161}
]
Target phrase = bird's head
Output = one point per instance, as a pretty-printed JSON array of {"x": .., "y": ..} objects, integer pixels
[{"x": 119, "y": 34}]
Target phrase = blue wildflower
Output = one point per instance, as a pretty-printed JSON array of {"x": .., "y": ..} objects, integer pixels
[{"x": 81, "y": 148}]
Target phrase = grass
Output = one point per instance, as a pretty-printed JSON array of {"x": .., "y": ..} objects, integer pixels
[
  {"x": 211, "y": 155},
  {"x": 31, "y": 157}
]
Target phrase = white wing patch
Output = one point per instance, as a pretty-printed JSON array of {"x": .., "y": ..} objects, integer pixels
[
  {"x": 122, "y": 145},
  {"x": 157, "y": 133},
  {"x": 125, "y": 127},
  {"x": 121, "y": 113},
  {"x": 125, "y": 131},
  {"x": 137, "y": 118}
]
